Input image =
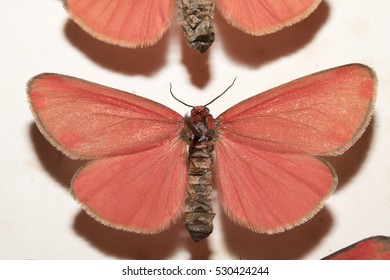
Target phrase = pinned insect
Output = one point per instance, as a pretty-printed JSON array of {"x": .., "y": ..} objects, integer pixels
[
  {"x": 133, "y": 23},
  {"x": 262, "y": 154}
]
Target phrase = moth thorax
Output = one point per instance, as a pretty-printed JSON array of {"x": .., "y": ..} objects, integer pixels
[{"x": 196, "y": 17}]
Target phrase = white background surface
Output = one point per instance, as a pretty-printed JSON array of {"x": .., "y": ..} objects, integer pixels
[{"x": 40, "y": 220}]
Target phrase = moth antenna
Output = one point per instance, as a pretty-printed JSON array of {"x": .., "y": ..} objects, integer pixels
[
  {"x": 177, "y": 99},
  {"x": 221, "y": 93}
]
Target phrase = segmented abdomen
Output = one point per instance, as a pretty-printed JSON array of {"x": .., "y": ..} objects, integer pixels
[
  {"x": 196, "y": 17},
  {"x": 200, "y": 215}
]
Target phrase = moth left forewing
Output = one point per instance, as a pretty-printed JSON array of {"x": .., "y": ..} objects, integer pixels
[{"x": 86, "y": 120}]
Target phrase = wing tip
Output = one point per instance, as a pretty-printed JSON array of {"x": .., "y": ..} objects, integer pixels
[
  {"x": 366, "y": 120},
  {"x": 42, "y": 129}
]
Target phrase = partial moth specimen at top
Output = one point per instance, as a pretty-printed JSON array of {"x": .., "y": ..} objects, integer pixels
[{"x": 136, "y": 23}]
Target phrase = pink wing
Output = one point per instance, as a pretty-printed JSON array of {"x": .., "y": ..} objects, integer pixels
[
  {"x": 320, "y": 114},
  {"x": 270, "y": 192},
  {"x": 129, "y": 23},
  {"x": 139, "y": 182},
  {"x": 372, "y": 248},
  {"x": 87, "y": 120},
  {"x": 258, "y": 17},
  {"x": 141, "y": 192},
  {"x": 267, "y": 177}
]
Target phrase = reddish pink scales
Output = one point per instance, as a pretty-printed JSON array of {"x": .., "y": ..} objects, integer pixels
[
  {"x": 134, "y": 23},
  {"x": 262, "y": 154}
]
